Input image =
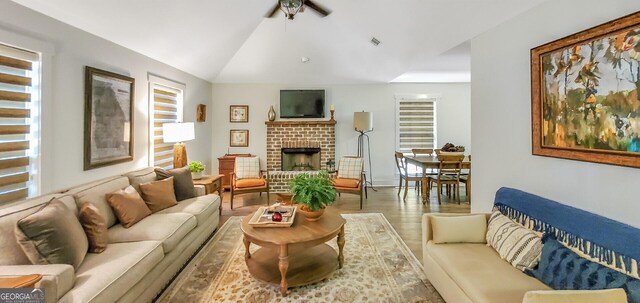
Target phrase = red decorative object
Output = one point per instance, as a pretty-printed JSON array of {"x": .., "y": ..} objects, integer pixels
[{"x": 277, "y": 217}]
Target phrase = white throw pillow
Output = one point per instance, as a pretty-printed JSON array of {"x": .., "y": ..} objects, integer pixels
[
  {"x": 519, "y": 246},
  {"x": 350, "y": 168},
  {"x": 459, "y": 229},
  {"x": 247, "y": 168}
]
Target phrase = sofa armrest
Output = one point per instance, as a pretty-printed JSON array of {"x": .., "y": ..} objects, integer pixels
[
  {"x": 616, "y": 295},
  {"x": 57, "y": 279},
  {"x": 427, "y": 231},
  {"x": 200, "y": 190}
]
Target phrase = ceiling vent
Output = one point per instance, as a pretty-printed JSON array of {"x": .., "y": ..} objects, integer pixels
[{"x": 375, "y": 41}]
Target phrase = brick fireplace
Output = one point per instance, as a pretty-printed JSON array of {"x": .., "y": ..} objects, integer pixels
[{"x": 300, "y": 140}]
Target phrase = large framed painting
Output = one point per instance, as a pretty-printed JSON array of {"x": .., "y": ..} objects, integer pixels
[
  {"x": 108, "y": 120},
  {"x": 586, "y": 95}
]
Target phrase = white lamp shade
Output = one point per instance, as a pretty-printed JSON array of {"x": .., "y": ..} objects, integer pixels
[
  {"x": 363, "y": 121},
  {"x": 178, "y": 132}
]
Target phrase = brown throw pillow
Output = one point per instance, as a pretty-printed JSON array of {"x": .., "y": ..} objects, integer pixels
[
  {"x": 128, "y": 206},
  {"x": 159, "y": 194},
  {"x": 182, "y": 181},
  {"x": 95, "y": 227},
  {"x": 52, "y": 235}
]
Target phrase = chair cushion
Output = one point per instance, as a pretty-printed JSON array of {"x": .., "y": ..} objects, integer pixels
[
  {"x": 182, "y": 181},
  {"x": 350, "y": 168},
  {"x": 247, "y": 168},
  {"x": 201, "y": 207},
  {"x": 561, "y": 268},
  {"x": 107, "y": 276},
  {"x": 159, "y": 194},
  {"x": 245, "y": 183},
  {"x": 128, "y": 206},
  {"x": 52, "y": 235},
  {"x": 516, "y": 244},
  {"x": 350, "y": 183},
  {"x": 95, "y": 227},
  {"x": 170, "y": 229},
  {"x": 481, "y": 273}
]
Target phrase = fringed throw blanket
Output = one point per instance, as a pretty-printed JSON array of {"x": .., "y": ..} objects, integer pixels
[{"x": 611, "y": 242}]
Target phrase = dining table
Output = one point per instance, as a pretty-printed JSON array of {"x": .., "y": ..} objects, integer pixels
[{"x": 430, "y": 162}]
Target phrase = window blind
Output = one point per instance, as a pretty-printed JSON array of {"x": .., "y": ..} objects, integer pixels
[
  {"x": 165, "y": 110},
  {"x": 416, "y": 124},
  {"x": 18, "y": 122}
]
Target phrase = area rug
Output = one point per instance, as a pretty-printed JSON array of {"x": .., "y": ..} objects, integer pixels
[{"x": 378, "y": 267}]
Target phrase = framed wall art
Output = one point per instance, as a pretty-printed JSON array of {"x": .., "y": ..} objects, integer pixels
[
  {"x": 238, "y": 113},
  {"x": 239, "y": 138},
  {"x": 201, "y": 113},
  {"x": 108, "y": 119},
  {"x": 586, "y": 95}
]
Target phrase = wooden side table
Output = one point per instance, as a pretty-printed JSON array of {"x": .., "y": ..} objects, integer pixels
[
  {"x": 27, "y": 281},
  {"x": 211, "y": 184}
]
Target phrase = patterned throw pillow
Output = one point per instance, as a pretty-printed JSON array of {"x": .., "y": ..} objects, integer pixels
[
  {"x": 560, "y": 268},
  {"x": 247, "y": 168},
  {"x": 350, "y": 168},
  {"x": 514, "y": 243}
]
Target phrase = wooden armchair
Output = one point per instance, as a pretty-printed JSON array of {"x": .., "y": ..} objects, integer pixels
[
  {"x": 248, "y": 178},
  {"x": 350, "y": 177}
]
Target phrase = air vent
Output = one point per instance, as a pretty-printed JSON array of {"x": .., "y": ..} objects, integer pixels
[{"x": 375, "y": 41}]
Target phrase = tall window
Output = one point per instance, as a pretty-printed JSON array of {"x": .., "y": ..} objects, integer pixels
[
  {"x": 167, "y": 108},
  {"x": 19, "y": 123},
  {"x": 415, "y": 123}
]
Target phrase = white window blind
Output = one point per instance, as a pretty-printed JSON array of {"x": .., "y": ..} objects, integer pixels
[
  {"x": 416, "y": 124},
  {"x": 167, "y": 103},
  {"x": 19, "y": 123}
]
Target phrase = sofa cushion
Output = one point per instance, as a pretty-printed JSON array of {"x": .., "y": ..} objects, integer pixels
[
  {"x": 95, "y": 227},
  {"x": 481, "y": 273},
  {"x": 138, "y": 177},
  {"x": 95, "y": 193},
  {"x": 576, "y": 296},
  {"x": 201, "y": 207},
  {"x": 561, "y": 268},
  {"x": 516, "y": 244},
  {"x": 128, "y": 206},
  {"x": 169, "y": 229},
  {"x": 459, "y": 229},
  {"x": 107, "y": 276},
  {"x": 52, "y": 235},
  {"x": 182, "y": 181},
  {"x": 246, "y": 183},
  {"x": 159, "y": 194}
]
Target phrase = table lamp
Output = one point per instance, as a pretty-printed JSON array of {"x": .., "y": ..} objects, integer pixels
[{"x": 178, "y": 133}]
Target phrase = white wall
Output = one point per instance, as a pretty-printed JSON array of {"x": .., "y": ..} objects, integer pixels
[
  {"x": 501, "y": 116},
  {"x": 63, "y": 113},
  {"x": 453, "y": 114}
]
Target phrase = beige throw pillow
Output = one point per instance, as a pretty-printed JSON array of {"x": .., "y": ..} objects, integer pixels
[
  {"x": 519, "y": 246},
  {"x": 159, "y": 194},
  {"x": 95, "y": 227},
  {"x": 615, "y": 295},
  {"x": 128, "y": 206},
  {"x": 459, "y": 229},
  {"x": 52, "y": 235}
]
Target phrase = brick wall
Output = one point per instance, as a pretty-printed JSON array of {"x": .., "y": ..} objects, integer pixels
[{"x": 300, "y": 134}]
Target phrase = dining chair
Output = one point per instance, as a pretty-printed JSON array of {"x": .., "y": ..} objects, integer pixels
[
  {"x": 426, "y": 152},
  {"x": 350, "y": 177},
  {"x": 465, "y": 177},
  {"x": 405, "y": 175},
  {"x": 248, "y": 178},
  {"x": 449, "y": 169}
]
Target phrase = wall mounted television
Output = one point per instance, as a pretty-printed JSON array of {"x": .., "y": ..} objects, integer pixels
[{"x": 302, "y": 103}]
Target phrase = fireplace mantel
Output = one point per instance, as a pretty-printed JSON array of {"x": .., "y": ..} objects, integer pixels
[{"x": 299, "y": 122}]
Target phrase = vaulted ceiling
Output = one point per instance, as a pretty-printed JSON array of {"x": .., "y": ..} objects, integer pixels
[{"x": 230, "y": 41}]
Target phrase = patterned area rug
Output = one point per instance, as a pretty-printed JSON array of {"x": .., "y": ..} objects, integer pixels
[{"x": 378, "y": 267}]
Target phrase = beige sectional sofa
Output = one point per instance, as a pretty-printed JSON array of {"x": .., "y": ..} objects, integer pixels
[{"x": 138, "y": 262}]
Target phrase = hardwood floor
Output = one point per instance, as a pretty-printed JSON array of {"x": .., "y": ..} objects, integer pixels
[{"x": 405, "y": 216}]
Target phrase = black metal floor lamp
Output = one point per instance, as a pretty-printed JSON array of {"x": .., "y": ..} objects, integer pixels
[{"x": 363, "y": 123}]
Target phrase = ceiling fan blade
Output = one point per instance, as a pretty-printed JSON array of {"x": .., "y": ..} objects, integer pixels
[
  {"x": 321, "y": 10},
  {"x": 272, "y": 13}
]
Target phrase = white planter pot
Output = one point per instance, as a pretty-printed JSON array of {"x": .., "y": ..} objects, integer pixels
[{"x": 196, "y": 176}]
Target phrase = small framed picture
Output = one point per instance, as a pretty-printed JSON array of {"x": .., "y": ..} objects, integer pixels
[
  {"x": 239, "y": 138},
  {"x": 239, "y": 113},
  {"x": 201, "y": 114}
]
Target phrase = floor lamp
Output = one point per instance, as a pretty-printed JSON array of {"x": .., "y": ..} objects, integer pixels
[
  {"x": 363, "y": 123},
  {"x": 178, "y": 133}
]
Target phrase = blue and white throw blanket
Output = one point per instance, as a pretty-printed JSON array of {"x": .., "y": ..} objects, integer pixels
[{"x": 609, "y": 241}]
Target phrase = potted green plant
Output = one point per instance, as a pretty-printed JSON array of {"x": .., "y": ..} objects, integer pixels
[
  {"x": 196, "y": 168},
  {"x": 313, "y": 193}
]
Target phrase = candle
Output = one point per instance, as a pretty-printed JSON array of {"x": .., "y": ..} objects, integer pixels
[{"x": 331, "y": 108}]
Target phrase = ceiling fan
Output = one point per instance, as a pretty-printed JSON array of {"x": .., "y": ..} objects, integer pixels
[{"x": 291, "y": 7}]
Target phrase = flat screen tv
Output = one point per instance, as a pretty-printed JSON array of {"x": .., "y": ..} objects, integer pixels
[{"x": 302, "y": 103}]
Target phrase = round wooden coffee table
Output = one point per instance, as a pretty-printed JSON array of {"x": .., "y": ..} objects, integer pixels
[{"x": 296, "y": 255}]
